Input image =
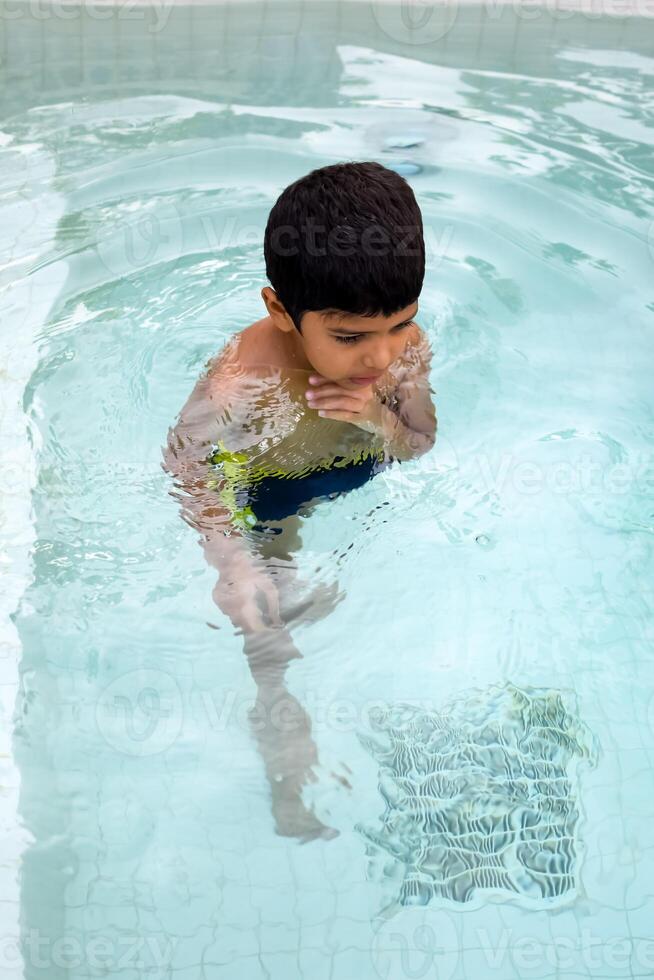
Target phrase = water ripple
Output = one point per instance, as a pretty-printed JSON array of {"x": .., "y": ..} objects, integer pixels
[{"x": 481, "y": 798}]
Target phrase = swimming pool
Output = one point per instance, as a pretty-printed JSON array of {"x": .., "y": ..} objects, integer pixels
[{"x": 478, "y": 708}]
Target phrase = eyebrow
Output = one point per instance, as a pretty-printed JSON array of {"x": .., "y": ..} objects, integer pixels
[{"x": 345, "y": 330}]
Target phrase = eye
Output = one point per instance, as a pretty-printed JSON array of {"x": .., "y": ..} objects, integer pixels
[{"x": 352, "y": 339}]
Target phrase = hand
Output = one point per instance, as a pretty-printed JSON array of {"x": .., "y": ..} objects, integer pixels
[{"x": 362, "y": 408}]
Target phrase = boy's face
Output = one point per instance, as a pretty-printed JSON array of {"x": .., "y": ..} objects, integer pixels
[
  {"x": 354, "y": 350},
  {"x": 350, "y": 350}
]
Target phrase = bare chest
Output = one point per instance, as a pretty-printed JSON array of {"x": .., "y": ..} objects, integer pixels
[{"x": 294, "y": 437}]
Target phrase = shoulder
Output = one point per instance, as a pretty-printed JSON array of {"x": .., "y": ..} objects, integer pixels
[
  {"x": 223, "y": 397},
  {"x": 213, "y": 390},
  {"x": 241, "y": 359},
  {"x": 253, "y": 349},
  {"x": 239, "y": 351}
]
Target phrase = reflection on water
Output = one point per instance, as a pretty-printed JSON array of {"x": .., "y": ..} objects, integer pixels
[{"x": 481, "y": 797}]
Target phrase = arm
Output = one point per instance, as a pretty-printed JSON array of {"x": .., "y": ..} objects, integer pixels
[
  {"x": 242, "y": 572},
  {"x": 408, "y": 425},
  {"x": 185, "y": 456}
]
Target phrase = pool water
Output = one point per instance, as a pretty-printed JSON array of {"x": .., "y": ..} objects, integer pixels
[{"x": 476, "y": 714}]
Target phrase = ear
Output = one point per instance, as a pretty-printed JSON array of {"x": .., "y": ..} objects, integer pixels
[{"x": 276, "y": 310}]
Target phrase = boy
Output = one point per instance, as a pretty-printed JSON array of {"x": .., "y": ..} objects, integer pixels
[
  {"x": 316, "y": 397},
  {"x": 310, "y": 401}
]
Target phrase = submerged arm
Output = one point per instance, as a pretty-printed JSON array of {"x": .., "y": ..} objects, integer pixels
[
  {"x": 408, "y": 425},
  {"x": 242, "y": 571}
]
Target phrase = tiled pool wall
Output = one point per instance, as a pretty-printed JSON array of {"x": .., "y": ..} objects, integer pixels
[{"x": 50, "y": 52}]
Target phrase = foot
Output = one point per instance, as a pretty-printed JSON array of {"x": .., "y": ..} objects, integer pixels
[{"x": 292, "y": 819}]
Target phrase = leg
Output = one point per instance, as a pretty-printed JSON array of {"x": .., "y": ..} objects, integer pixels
[
  {"x": 300, "y": 601},
  {"x": 280, "y": 725}
]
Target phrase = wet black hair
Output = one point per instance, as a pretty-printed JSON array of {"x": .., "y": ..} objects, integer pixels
[{"x": 346, "y": 238}]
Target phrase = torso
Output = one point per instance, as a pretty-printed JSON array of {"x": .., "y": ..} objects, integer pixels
[{"x": 265, "y": 413}]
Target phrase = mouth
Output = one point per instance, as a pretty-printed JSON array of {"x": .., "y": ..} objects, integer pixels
[{"x": 365, "y": 381}]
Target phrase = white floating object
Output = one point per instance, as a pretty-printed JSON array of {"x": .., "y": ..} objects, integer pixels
[
  {"x": 403, "y": 142},
  {"x": 405, "y": 168}
]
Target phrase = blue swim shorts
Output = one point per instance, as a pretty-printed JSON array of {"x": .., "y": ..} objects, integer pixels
[{"x": 276, "y": 496}]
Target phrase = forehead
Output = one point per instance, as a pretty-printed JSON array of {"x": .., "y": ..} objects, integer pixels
[{"x": 338, "y": 319}]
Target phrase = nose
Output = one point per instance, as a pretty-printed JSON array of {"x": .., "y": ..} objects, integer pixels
[{"x": 379, "y": 358}]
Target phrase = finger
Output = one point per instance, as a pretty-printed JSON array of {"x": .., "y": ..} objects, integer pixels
[
  {"x": 325, "y": 390},
  {"x": 339, "y": 405},
  {"x": 336, "y": 399},
  {"x": 325, "y": 385},
  {"x": 340, "y": 416},
  {"x": 335, "y": 394}
]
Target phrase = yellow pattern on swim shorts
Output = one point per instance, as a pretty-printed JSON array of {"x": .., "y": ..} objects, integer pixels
[{"x": 238, "y": 473}]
